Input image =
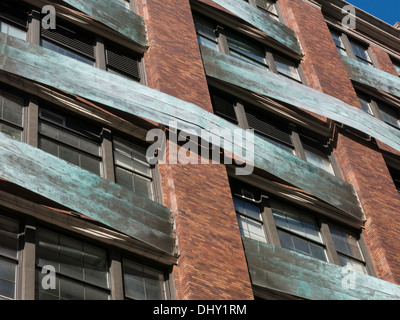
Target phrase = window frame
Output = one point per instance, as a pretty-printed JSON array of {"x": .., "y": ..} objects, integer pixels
[
  {"x": 27, "y": 267},
  {"x": 374, "y": 106},
  {"x": 221, "y": 33},
  {"x": 348, "y": 41},
  {"x": 323, "y": 223},
  {"x": 31, "y": 135},
  {"x": 295, "y": 132},
  {"x": 34, "y": 35}
]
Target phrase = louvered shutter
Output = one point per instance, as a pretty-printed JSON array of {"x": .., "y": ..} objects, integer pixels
[
  {"x": 70, "y": 39},
  {"x": 122, "y": 60},
  {"x": 269, "y": 126}
]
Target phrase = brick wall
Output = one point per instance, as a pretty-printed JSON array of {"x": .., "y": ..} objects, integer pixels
[
  {"x": 212, "y": 264},
  {"x": 361, "y": 162}
]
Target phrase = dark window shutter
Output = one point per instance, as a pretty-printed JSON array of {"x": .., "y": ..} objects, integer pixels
[
  {"x": 269, "y": 126},
  {"x": 123, "y": 60},
  {"x": 70, "y": 39},
  {"x": 223, "y": 107},
  {"x": 16, "y": 14},
  {"x": 314, "y": 145}
]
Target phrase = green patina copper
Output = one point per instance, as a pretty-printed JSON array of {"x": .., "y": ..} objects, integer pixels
[
  {"x": 262, "y": 81},
  {"x": 299, "y": 275},
  {"x": 372, "y": 77},
  {"x": 114, "y": 16},
  {"x": 42, "y": 65},
  {"x": 86, "y": 193},
  {"x": 262, "y": 21}
]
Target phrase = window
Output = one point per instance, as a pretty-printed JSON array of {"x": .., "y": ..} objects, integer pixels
[
  {"x": 216, "y": 37},
  {"x": 80, "y": 45},
  {"x": 348, "y": 249},
  {"x": 9, "y": 237},
  {"x": 351, "y": 48},
  {"x": 13, "y": 21},
  {"x": 298, "y": 231},
  {"x": 389, "y": 114},
  {"x": 71, "y": 140},
  {"x": 67, "y": 40},
  {"x": 264, "y": 218},
  {"x": 81, "y": 269},
  {"x": 380, "y": 109},
  {"x": 361, "y": 52},
  {"x": 365, "y": 102},
  {"x": 84, "y": 269},
  {"x": 132, "y": 170},
  {"x": 268, "y": 6},
  {"x": 142, "y": 283},
  {"x": 79, "y": 142},
  {"x": 339, "y": 43},
  {"x": 315, "y": 154},
  {"x": 244, "y": 49},
  {"x": 297, "y": 141},
  {"x": 11, "y": 115},
  {"x": 249, "y": 219},
  {"x": 206, "y": 35}
]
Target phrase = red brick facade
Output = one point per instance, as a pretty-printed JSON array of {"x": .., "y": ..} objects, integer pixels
[
  {"x": 212, "y": 263},
  {"x": 361, "y": 163}
]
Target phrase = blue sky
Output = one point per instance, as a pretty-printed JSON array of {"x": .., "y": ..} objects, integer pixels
[{"x": 386, "y": 10}]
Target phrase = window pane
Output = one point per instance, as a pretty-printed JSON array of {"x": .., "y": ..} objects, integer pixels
[
  {"x": 287, "y": 68},
  {"x": 247, "y": 209},
  {"x": 243, "y": 49},
  {"x": 142, "y": 283},
  {"x": 124, "y": 178},
  {"x": 68, "y": 154},
  {"x": 90, "y": 164},
  {"x": 356, "y": 265},
  {"x": 206, "y": 42},
  {"x": 303, "y": 246},
  {"x": 12, "y": 109},
  {"x": 365, "y": 104},
  {"x": 48, "y": 146},
  {"x": 83, "y": 264},
  {"x": 251, "y": 229},
  {"x": 7, "y": 278},
  {"x": 12, "y": 31},
  {"x": 389, "y": 115},
  {"x": 295, "y": 221},
  {"x": 320, "y": 162},
  {"x": 339, "y": 44},
  {"x": 346, "y": 243},
  {"x": 8, "y": 237},
  {"x": 360, "y": 51},
  {"x": 48, "y": 45},
  {"x": 143, "y": 186}
]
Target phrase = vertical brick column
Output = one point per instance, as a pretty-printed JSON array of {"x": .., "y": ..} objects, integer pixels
[
  {"x": 361, "y": 162},
  {"x": 212, "y": 263}
]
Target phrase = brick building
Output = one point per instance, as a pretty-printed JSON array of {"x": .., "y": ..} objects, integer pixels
[{"x": 316, "y": 219}]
